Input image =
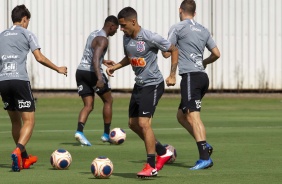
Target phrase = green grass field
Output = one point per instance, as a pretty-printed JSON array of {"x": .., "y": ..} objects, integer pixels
[{"x": 246, "y": 134}]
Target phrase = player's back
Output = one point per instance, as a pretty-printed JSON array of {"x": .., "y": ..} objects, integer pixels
[
  {"x": 15, "y": 44},
  {"x": 193, "y": 35},
  {"x": 191, "y": 40},
  {"x": 86, "y": 60}
]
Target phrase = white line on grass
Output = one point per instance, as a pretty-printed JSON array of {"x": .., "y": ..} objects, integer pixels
[
  {"x": 97, "y": 130},
  {"x": 157, "y": 129}
]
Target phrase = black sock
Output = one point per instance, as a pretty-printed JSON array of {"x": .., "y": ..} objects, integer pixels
[
  {"x": 24, "y": 154},
  {"x": 160, "y": 149},
  {"x": 107, "y": 128},
  {"x": 203, "y": 150},
  {"x": 151, "y": 160},
  {"x": 80, "y": 126},
  {"x": 22, "y": 148}
]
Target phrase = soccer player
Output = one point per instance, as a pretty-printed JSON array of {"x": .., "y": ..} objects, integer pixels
[
  {"x": 90, "y": 78},
  {"x": 141, "y": 47},
  {"x": 15, "y": 89},
  {"x": 191, "y": 38}
]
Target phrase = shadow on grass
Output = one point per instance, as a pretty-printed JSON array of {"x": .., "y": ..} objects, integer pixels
[
  {"x": 138, "y": 161},
  {"x": 125, "y": 175},
  {"x": 178, "y": 164},
  {"x": 175, "y": 164},
  {"x": 90, "y": 174},
  {"x": 5, "y": 166},
  {"x": 133, "y": 175},
  {"x": 54, "y": 169}
]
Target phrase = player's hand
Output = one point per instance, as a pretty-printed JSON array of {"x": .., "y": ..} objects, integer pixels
[
  {"x": 204, "y": 64},
  {"x": 166, "y": 54},
  {"x": 108, "y": 63},
  {"x": 63, "y": 70},
  {"x": 99, "y": 84},
  {"x": 110, "y": 71},
  {"x": 170, "y": 81}
]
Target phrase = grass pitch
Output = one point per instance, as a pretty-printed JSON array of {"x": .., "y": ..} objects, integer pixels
[{"x": 245, "y": 132}]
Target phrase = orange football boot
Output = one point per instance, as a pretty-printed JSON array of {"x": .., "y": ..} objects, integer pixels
[
  {"x": 29, "y": 161},
  {"x": 17, "y": 160},
  {"x": 147, "y": 171}
]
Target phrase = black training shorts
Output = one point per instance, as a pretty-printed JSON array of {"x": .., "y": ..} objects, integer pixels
[
  {"x": 86, "y": 82},
  {"x": 144, "y": 100},
  {"x": 193, "y": 87},
  {"x": 17, "y": 95}
]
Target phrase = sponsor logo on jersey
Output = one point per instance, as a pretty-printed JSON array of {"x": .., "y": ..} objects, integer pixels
[
  {"x": 132, "y": 44},
  {"x": 24, "y": 104},
  {"x": 140, "y": 46},
  {"x": 139, "y": 80},
  {"x": 198, "y": 104},
  {"x": 137, "y": 62},
  {"x": 10, "y": 66},
  {"x": 193, "y": 28},
  {"x": 139, "y": 38},
  {"x": 4, "y": 57},
  {"x": 8, "y": 33},
  {"x": 10, "y": 74},
  {"x": 197, "y": 60}
]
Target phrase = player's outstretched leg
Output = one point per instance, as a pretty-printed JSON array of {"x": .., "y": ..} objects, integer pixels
[
  {"x": 79, "y": 136},
  {"x": 147, "y": 171}
]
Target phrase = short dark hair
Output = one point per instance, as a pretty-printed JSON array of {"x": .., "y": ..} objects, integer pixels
[
  {"x": 127, "y": 12},
  {"x": 19, "y": 12},
  {"x": 113, "y": 19},
  {"x": 188, "y": 6}
]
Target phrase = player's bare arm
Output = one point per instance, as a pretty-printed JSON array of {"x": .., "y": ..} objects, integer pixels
[
  {"x": 108, "y": 63},
  {"x": 99, "y": 45},
  {"x": 46, "y": 62},
  {"x": 171, "y": 80},
  {"x": 215, "y": 54},
  {"x": 124, "y": 62}
]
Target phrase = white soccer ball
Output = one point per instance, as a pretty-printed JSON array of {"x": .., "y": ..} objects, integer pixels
[
  {"x": 173, "y": 150},
  {"x": 102, "y": 167},
  {"x": 117, "y": 136},
  {"x": 60, "y": 159}
]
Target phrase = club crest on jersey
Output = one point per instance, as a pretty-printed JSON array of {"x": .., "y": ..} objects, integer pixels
[{"x": 140, "y": 46}]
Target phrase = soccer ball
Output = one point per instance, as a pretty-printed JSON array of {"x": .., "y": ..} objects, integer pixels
[
  {"x": 102, "y": 167},
  {"x": 173, "y": 150},
  {"x": 117, "y": 136},
  {"x": 60, "y": 159}
]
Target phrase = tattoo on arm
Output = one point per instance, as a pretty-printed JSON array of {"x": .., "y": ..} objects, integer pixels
[{"x": 173, "y": 69}]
